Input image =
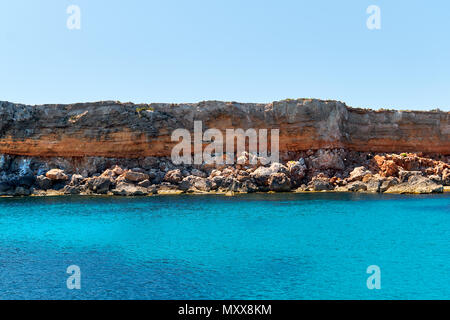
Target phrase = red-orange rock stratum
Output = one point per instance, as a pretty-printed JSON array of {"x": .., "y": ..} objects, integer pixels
[{"x": 126, "y": 130}]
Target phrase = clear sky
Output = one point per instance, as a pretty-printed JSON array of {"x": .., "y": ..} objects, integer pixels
[{"x": 233, "y": 50}]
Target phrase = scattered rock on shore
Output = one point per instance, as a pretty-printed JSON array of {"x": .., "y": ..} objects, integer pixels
[
  {"x": 56, "y": 175},
  {"x": 362, "y": 172}
]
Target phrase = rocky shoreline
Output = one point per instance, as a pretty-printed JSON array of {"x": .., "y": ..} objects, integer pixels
[{"x": 323, "y": 170}]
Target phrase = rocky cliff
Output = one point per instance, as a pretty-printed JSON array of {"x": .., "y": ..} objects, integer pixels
[
  {"x": 124, "y": 149},
  {"x": 126, "y": 130}
]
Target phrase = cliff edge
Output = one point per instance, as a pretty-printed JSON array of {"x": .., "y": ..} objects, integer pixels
[{"x": 127, "y": 130}]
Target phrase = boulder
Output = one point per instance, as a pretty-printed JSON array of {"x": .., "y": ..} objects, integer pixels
[
  {"x": 246, "y": 187},
  {"x": 279, "y": 182},
  {"x": 128, "y": 189},
  {"x": 243, "y": 176},
  {"x": 405, "y": 175},
  {"x": 173, "y": 176},
  {"x": 357, "y": 186},
  {"x": 215, "y": 173},
  {"x": 358, "y": 174},
  {"x": 387, "y": 183},
  {"x": 144, "y": 184},
  {"x": 417, "y": 184},
  {"x": 76, "y": 179},
  {"x": 374, "y": 184},
  {"x": 216, "y": 182},
  {"x": 436, "y": 178},
  {"x": 156, "y": 176},
  {"x": 117, "y": 170},
  {"x": 229, "y": 183},
  {"x": 100, "y": 185},
  {"x": 135, "y": 176},
  {"x": 195, "y": 183},
  {"x": 166, "y": 188},
  {"x": 320, "y": 183},
  {"x": 43, "y": 182},
  {"x": 72, "y": 189},
  {"x": 56, "y": 175},
  {"x": 446, "y": 177},
  {"x": 297, "y": 170},
  {"x": 153, "y": 189},
  {"x": 262, "y": 174},
  {"x": 387, "y": 168},
  {"x": 108, "y": 173}
]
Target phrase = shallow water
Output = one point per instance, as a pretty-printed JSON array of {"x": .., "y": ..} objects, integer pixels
[{"x": 261, "y": 246}]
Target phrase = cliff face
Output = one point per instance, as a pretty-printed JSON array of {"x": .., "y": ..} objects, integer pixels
[{"x": 126, "y": 130}]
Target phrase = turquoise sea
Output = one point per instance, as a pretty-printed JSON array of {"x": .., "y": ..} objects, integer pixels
[{"x": 260, "y": 246}]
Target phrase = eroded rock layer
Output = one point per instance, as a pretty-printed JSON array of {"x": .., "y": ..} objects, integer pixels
[{"x": 126, "y": 130}]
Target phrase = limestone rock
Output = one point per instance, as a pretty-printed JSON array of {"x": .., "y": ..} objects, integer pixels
[
  {"x": 374, "y": 184},
  {"x": 405, "y": 175},
  {"x": 262, "y": 174},
  {"x": 417, "y": 184},
  {"x": 297, "y": 170},
  {"x": 320, "y": 183},
  {"x": 387, "y": 183},
  {"x": 56, "y": 175},
  {"x": 135, "y": 176},
  {"x": 166, "y": 188},
  {"x": 117, "y": 170},
  {"x": 387, "y": 168},
  {"x": 358, "y": 174},
  {"x": 357, "y": 186},
  {"x": 446, "y": 177},
  {"x": 304, "y": 124},
  {"x": 99, "y": 185},
  {"x": 71, "y": 189},
  {"x": 194, "y": 183},
  {"x": 145, "y": 183},
  {"x": 128, "y": 189},
  {"x": 279, "y": 182},
  {"x": 76, "y": 179},
  {"x": 173, "y": 176}
]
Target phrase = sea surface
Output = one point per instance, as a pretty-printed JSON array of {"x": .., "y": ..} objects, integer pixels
[{"x": 260, "y": 246}]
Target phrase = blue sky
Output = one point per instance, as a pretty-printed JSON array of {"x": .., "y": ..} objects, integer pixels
[{"x": 233, "y": 50}]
